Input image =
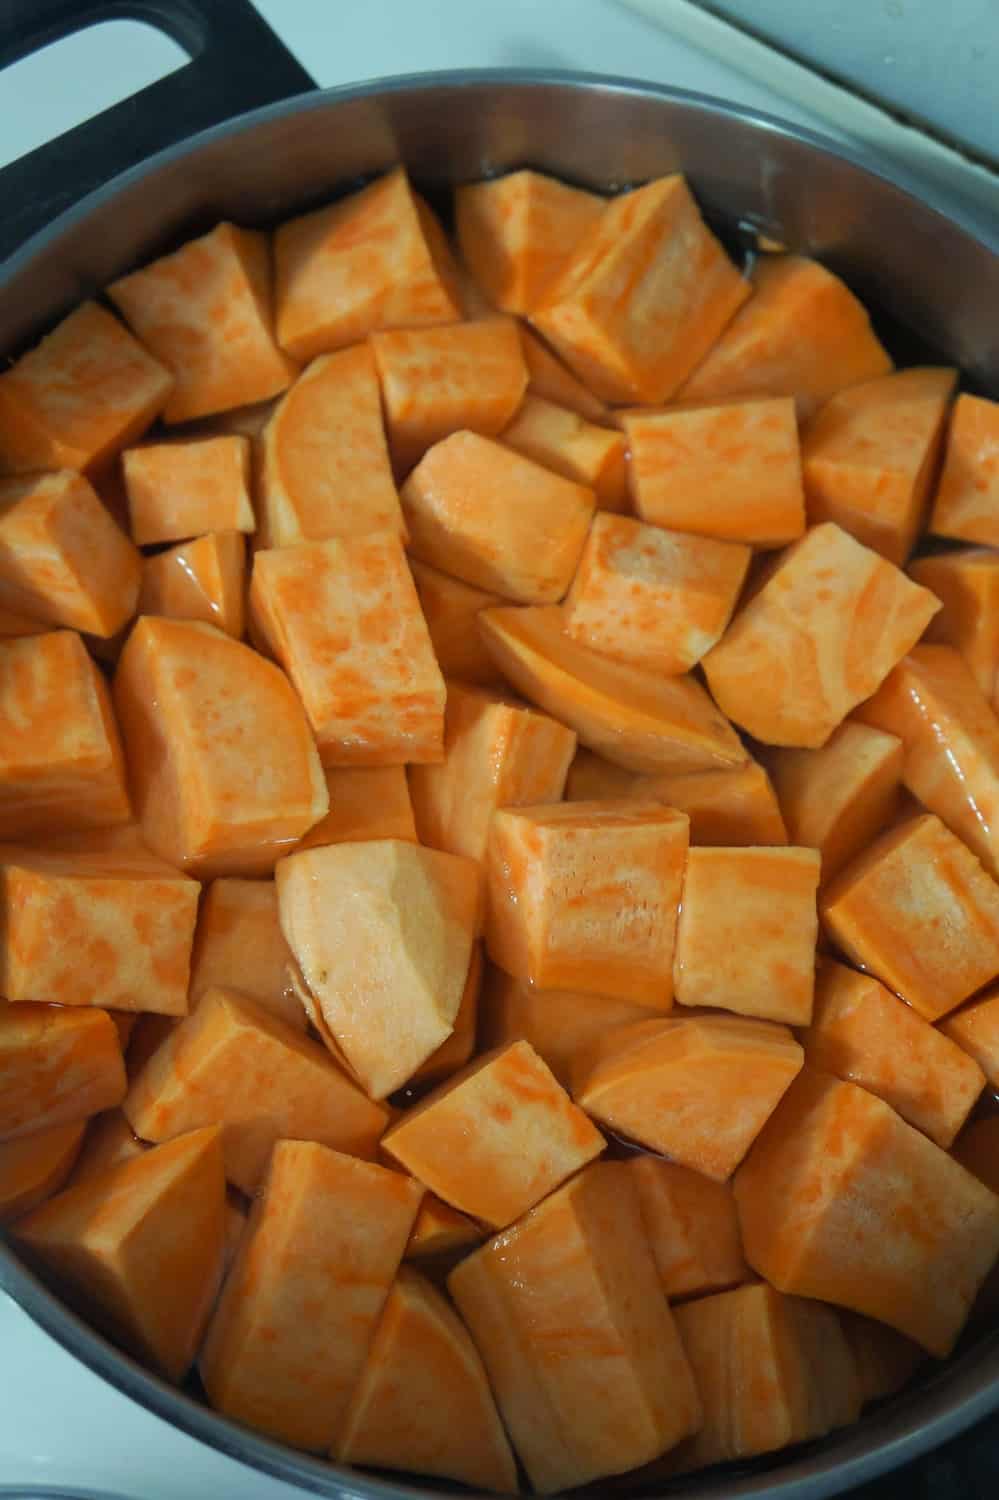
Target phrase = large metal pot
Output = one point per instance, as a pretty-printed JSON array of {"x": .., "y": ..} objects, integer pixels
[{"x": 928, "y": 273}]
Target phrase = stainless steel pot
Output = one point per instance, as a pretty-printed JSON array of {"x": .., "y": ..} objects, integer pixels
[{"x": 928, "y": 273}]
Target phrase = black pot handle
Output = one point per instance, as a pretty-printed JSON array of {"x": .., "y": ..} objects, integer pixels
[{"x": 237, "y": 63}]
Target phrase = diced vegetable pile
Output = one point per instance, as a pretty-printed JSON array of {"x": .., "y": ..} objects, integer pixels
[{"x": 500, "y": 838}]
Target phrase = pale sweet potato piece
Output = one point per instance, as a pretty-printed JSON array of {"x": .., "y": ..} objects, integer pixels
[
  {"x": 223, "y": 766},
  {"x": 862, "y": 1033},
  {"x": 441, "y": 1230},
  {"x": 456, "y": 1050},
  {"x": 366, "y": 802},
  {"x": 869, "y": 457},
  {"x": 35, "y": 1166},
  {"x": 818, "y": 638},
  {"x": 577, "y": 1338},
  {"x": 840, "y": 1199},
  {"x": 239, "y": 945},
  {"x": 885, "y": 1360},
  {"x": 58, "y": 1065},
  {"x": 497, "y": 753},
  {"x": 551, "y": 380},
  {"x": 344, "y": 620},
  {"x": 206, "y": 312},
  {"x": 179, "y": 490},
  {"x": 635, "y": 718},
  {"x": 561, "y": 439},
  {"x": 698, "y": 1089},
  {"x": 289, "y": 1338},
  {"x": 917, "y": 909},
  {"x": 140, "y": 1247},
  {"x": 692, "y": 1225},
  {"x": 965, "y": 502},
  {"x": 730, "y": 471},
  {"x": 109, "y": 1141},
  {"x": 112, "y": 930},
  {"x": 423, "y": 1403},
  {"x": 199, "y": 580},
  {"x": 975, "y": 1029},
  {"x": 451, "y": 609},
  {"x": 655, "y": 598},
  {"x": 63, "y": 560},
  {"x": 383, "y": 933},
  {"x": 967, "y": 584},
  {"x": 802, "y": 333},
  {"x": 234, "y": 1064},
  {"x": 83, "y": 393},
  {"x": 324, "y": 466},
  {"x": 495, "y": 519},
  {"x": 61, "y": 762},
  {"x": 643, "y": 297},
  {"x": 584, "y": 896},
  {"x": 375, "y": 259}
]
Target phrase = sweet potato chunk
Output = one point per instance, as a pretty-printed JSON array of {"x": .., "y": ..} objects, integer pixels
[
  {"x": 441, "y": 1230},
  {"x": 643, "y": 297},
  {"x": 58, "y": 1065},
  {"x": 451, "y": 610},
  {"x": 802, "y": 334},
  {"x": 324, "y": 462},
  {"x": 496, "y": 1138},
  {"x": 863, "y": 1034},
  {"x": 578, "y": 1274},
  {"x": 517, "y": 232},
  {"x": 697, "y": 1089},
  {"x": 967, "y": 584},
  {"x": 692, "y": 1225},
  {"x": 375, "y": 259},
  {"x": 917, "y": 909},
  {"x": 496, "y": 754},
  {"x": 223, "y": 765},
  {"x": 180, "y": 490},
  {"x": 63, "y": 560},
  {"x": 61, "y": 763},
  {"x": 289, "y": 1338},
  {"x": 840, "y": 1199},
  {"x": 234, "y": 1064},
  {"x": 200, "y": 580},
  {"x": 86, "y": 391},
  {"x": 112, "y": 930},
  {"x": 344, "y": 620},
  {"x": 205, "y": 311},
  {"x": 551, "y": 380},
  {"x": 495, "y": 519},
  {"x": 731, "y": 471},
  {"x": 456, "y": 1050},
  {"x": 975, "y": 1029},
  {"x": 635, "y": 718},
  {"x": 820, "y": 636},
  {"x": 885, "y": 1360},
  {"x": 140, "y": 1247},
  {"x": 35, "y": 1166},
  {"x": 110, "y": 1141},
  {"x": 869, "y": 457},
  {"x": 366, "y": 802},
  {"x": 383, "y": 933},
  {"x": 423, "y": 1403},
  {"x": 965, "y": 503},
  {"x": 564, "y": 441},
  {"x": 655, "y": 598},
  {"x": 239, "y": 945}
]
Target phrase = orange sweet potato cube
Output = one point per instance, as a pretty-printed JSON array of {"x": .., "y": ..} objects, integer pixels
[
  {"x": 451, "y": 610},
  {"x": 838, "y": 798},
  {"x": 456, "y": 1050},
  {"x": 441, "y": 1230},
  {"x": 819, "y": 637},
  {"x": 966, "y": 582},
  {"x": 199, "y": 580},
  {"x": 576, "y": 1273},
  {"x": 551, "y": 380},
  {"x": 747, "y": 931},
  {"x": 57, "y": 1066},
  {"x": 206, "y": 312},
  {"x": 223, "y": 766},
  {"x": 35, "y": 1166},
  {"x": 638, "y": 719},
  {"x": 110, "y": 1141},
  {"x": 61, "y": 762},
  {"x": 83, "y": 393},
  {"x": 382, "y": 933},
  {"x": 564, "y": 441},
  {"x": 730, "y": 471},
  {"x": 179, "y": 490},
  {"x": 869, "y": 457},
  {"x": 584, "y": 896},
  {"x": 366, "y": 802},
  {"x": 802, "y": 333},
  {"x": 435, "y": 381},
  {"x": 965, "y": 502},
  {"x": 343, "y": 618},
  {"x": 656, "y": 598},
  {"x": 917, "y": 909},
  {"x": 421, "y": 1345},
  {"x": 862, "y": 1033},
  {"x": 234, "y": 1064},
  {"x": 324, "y": 467},
  {"x": 517, "y": 232},
  {"x": 495, "y": 519},
  {"x": 692, "y": 1225},
  {"x": 497, "y": 753},
  {"x": 975, "y": 1029},
  {"x": 239, "y": 945},
  {"x": 375, "y": 259},
  {"x": 63, "y": 560},
  {"x": 140, "y": 1248},
  {"x": 840, "y": 1199},
  {"x": 697, "y": 1089},
  {"x": 112, "y": 930},
  {"x": 643, "y": 297},
  {"x": 885, "y": 1360}
]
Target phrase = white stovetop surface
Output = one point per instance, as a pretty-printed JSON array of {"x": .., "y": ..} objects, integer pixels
[{"x": 59, "y": 1424}]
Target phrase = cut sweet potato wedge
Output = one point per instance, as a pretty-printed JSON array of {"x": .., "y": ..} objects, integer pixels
[
  {"x": 58, "y": 1066},
  {"x": 551, "y": 380},
  {"x": 561, "y": 439},
  {"x": 885, "y": 1360},
  {"x": 179, "y": 490},
  {"x": 451, "y": 610},
  {"x": 966, "y": 582},
  {"x": 366, "y": 802},
  {"x": 441, "y": 1230},
  {"x": 35, "y": 1166},
  {"x": 200, "y": 580},
  {"x": 965, "y": 502},
  {"x": 693, "y": 1228},
  {"x": 239, "y": 945},
  {"x": 975, "y": 1029},
  {"x": 456, "y": 1050},
  {"x": 110, "y": 1141}
]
